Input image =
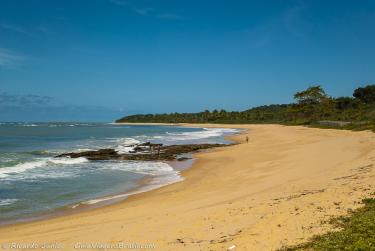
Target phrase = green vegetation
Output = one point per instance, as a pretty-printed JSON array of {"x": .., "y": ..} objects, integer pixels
[
  {"x": 366, "y": 94},
  {"x": 356, "y": 232},
  {"x": 312, "y": 107}
]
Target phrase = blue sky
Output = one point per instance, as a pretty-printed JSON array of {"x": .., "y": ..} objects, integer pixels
[{"x": 101, "y": 59}]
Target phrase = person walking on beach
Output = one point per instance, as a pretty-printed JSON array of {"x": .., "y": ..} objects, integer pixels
[{"x": 247, "y": 139}]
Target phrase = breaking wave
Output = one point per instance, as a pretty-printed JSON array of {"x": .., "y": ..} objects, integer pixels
[
  {"x": 7, "y": 202},
  {"x": 28, "y": 166}
]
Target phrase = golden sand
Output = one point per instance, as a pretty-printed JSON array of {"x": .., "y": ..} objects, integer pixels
[{"x": 278, "y": 189}]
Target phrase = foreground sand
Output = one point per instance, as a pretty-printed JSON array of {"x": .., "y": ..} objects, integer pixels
[{"x": 278, "y": 189}]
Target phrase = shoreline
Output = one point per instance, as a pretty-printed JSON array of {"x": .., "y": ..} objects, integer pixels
[
  {"x": 232, "y": 200},
  {"x": 144, "y": 185}
]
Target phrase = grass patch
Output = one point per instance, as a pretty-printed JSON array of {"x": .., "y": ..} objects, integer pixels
[
  {"x": 353, "y": 126},
  {"x": 357, "y": 232}
]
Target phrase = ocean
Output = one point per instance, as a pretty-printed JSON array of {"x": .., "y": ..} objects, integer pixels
[{"x": 33, "y": 183}]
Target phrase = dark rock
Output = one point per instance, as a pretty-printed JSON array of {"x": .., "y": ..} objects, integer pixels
[
  {"x": 145, "y": 152},
  {"x": 183, "y": 158},
  {"x": 101, "y": 154}
]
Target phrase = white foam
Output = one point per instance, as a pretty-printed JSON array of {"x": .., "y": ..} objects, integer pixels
[
  {"x": 206, "y": 133},
  {"x": 68, "y": 161},
  {"x": 162, "y": 172},
  {"x": 94, "y": 201},
  {"x": 28, "y": 125},
  {"x": 156, "y": 183},
  {"x": 22, "y": 167},
  {"x": 28, "y": 166},
  {"x": 6, "y": 202},
  {"x": 124, "y": 149},
  {"x": 51, "y": 168},
  {"x": 142, "y": 167},
  {"x": 128, "y": 141},
  {"x": 84, "y": 149},
  {"x": 126, "y": 145}
]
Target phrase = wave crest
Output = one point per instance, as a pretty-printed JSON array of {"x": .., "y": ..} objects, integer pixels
[{"x": 6, "y": 202}]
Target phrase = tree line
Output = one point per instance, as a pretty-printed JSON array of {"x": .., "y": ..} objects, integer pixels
[{"x": 310, "y": 107}]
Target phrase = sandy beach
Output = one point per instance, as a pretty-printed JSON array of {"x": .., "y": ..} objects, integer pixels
[{"x": 278, "y": 189}]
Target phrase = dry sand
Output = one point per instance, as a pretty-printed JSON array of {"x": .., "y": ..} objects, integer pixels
[{"x": 278, "y": 189}]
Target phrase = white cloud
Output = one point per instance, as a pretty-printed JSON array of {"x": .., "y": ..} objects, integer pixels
[
  {"x": 15, "y": 29},
  {"x": 289, "y": 24},
  {"x": 24, "y": 100},
  {"x": 119, "y": 2},
  {"x": 31, "y": 107},
  {"x": 170, "y": 16},
  {"x": 143, "y": 11},
  {"x": 8, "y": 58},
  {"x": 146, "y": 11}
]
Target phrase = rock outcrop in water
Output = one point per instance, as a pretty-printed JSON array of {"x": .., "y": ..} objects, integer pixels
[{"x": 146, "y": 152}]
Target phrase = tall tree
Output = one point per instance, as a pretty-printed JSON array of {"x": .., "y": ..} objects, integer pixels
[
  {"x": 365, "y": 94},
  {"x": 312, "y": 104},
  {"x": 310, "y": 96}
]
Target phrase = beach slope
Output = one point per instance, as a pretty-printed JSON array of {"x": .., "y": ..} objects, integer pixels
[{"x": 278, "y": 189}]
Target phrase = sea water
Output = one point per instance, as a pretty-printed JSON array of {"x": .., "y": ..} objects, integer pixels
[{"x": 33, "y": 182}]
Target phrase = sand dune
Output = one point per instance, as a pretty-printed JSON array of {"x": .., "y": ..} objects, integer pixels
[{"x": 278, "y": 189}]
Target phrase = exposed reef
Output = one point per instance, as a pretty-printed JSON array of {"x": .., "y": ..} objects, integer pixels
[{"x": 145, "y": 152}]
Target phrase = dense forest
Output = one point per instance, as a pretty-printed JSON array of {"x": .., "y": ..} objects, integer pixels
[{"x": 312, "y": 107}]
